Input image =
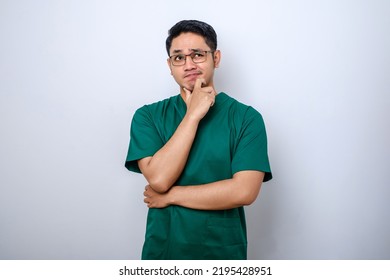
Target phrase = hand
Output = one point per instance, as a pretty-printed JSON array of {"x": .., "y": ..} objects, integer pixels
[
  {"x": 199, "y": 100},
  {"x": 154, "y": 199}
]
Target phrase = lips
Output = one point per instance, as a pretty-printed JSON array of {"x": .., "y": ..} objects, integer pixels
[{"x": 192, "y": 75}]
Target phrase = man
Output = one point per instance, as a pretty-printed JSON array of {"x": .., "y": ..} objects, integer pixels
[{"x": 203, "y": 154}]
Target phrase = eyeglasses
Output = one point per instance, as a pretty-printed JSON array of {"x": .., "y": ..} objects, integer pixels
[{"x": 197, "y": 56}]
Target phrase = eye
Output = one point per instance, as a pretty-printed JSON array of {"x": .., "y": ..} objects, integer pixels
[
  {"x": 198, "y": 54},
  {"x": 178, "y": 57}
]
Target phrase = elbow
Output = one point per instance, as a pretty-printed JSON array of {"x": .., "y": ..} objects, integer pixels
[
  {"x": 158, "y": 185},
  {"x": 246, "y": 187},
  {"x": 155, "y": 179},
  {"x": 247, "y": 198}
]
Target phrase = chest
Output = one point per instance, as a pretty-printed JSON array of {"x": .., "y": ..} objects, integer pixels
[{"x": 211, "y": 152}]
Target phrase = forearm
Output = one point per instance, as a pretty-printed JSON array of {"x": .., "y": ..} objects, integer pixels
[
  {"x": 164, "y": 167},
  {"x": 219, "y": 195},
  {"x": 241, "y": 190}
]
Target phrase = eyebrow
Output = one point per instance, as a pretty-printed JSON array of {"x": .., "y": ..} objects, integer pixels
[{"x": 180, "y": 51}]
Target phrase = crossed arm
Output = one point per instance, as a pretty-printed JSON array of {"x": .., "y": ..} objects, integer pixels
[
  {"x": 163, "y": 168},
  {"x": 241, "y": 190}
]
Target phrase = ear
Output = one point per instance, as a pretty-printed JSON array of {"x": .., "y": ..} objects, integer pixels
[
  {"x": 169, "y": 65},
  {"x": 217, "y": 58}
]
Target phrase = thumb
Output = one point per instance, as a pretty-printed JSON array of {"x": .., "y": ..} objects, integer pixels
[{"x": 187, "y": 92}]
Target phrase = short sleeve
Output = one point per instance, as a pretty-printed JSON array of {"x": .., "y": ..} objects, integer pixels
[
  {"x": 251, "y": 148},
  {"x": 144, "y": 139}
]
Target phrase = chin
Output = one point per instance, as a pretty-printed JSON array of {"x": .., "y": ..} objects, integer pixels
[{"x": 189, "y": 86}]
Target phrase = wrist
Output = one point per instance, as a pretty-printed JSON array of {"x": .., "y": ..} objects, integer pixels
[
  {"x": 191, "y": 119},
  {"x": 173, "y": 195}
]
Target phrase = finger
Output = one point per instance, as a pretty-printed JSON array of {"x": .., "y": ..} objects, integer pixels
[
  {"x": 187, "y": 92},
  {"x": 209, "y": 90},
  {"x": 199, "y": 82},
  {"x": 213, "y": 98},
  {"x": 212, "y": 102}
]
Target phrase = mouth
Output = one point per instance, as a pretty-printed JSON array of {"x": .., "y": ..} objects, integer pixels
[{"x": 192, "y": 75}]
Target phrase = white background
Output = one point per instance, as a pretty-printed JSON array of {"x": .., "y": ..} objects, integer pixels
[{"x": 72, "y": 73}]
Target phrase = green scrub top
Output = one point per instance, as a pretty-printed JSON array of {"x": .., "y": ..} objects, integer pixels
[{"x": 229, "y": 139}]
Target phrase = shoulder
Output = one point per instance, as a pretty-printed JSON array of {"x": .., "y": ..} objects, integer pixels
[
  {"x": 155, "y": 108},
  {"x": 241, "y": 110}
]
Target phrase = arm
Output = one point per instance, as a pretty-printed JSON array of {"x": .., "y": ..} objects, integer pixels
[
  {"x": 163, "y": 168},
  {"x": 241, "y": 190}
]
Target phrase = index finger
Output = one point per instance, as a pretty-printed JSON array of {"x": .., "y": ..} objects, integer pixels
[{"x": 199, "y": 82}]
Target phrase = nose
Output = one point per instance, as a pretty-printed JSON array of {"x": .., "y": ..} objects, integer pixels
[{"x": 189, "y": 64}]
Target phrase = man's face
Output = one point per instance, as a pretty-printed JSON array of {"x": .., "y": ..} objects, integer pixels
[{"x": 186, "y": 75}]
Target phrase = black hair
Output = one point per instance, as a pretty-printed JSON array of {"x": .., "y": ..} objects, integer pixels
[{"x": 193, "y": 26}]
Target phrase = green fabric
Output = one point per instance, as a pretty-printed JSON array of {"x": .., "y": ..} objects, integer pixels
[{"x": 230, "y": 138}]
